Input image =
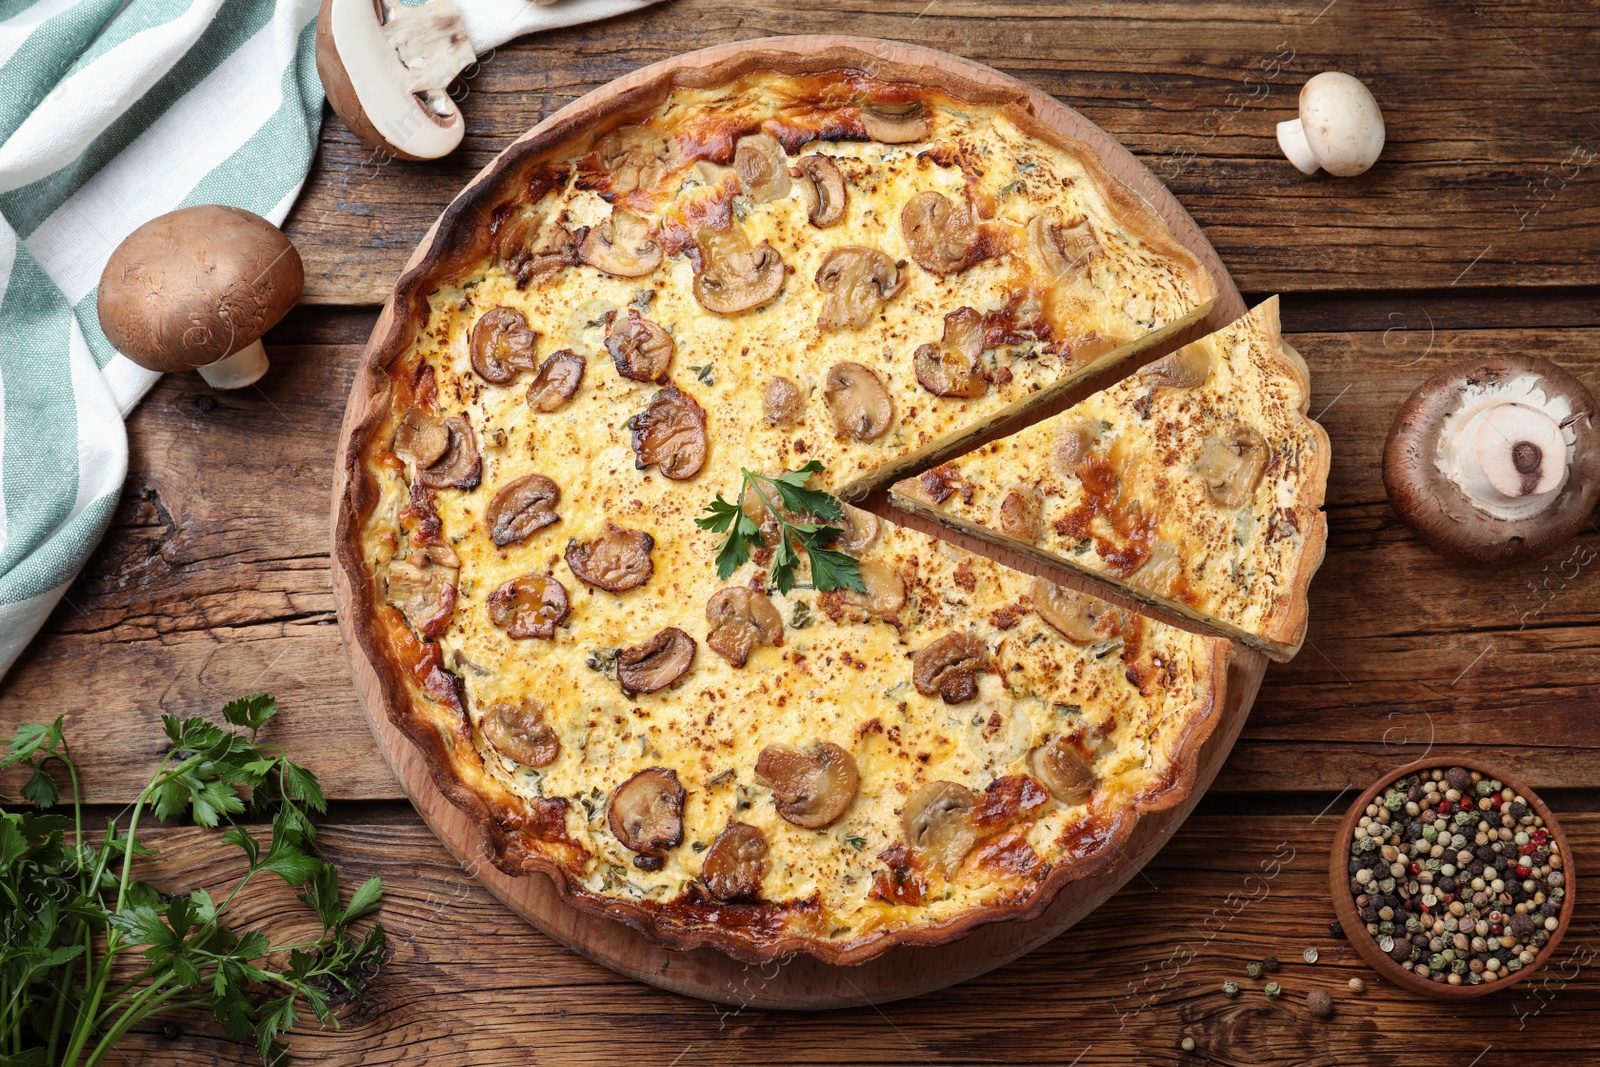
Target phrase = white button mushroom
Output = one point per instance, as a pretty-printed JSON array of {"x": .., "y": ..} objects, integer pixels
[
  {"x": 196, "y": 288},
  {"x": 1340, "y": 128},
  {"x": 1496, "y": 461},
  {"x": 386, "y": 68}
]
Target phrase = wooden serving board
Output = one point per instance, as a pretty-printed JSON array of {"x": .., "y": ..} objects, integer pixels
[{"x": 802, "y": 982}]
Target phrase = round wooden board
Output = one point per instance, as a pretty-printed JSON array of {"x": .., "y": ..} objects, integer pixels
[{"x": 803, "y": 982}]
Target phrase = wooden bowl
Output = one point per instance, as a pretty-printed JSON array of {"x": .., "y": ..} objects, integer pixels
[{"x": 1356, "y": 930}]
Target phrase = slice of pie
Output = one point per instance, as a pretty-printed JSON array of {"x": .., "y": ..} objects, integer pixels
[{"x": 1195, "y": 484}]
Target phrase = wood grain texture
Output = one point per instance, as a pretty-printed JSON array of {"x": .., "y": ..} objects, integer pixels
[
  {"x": 1123, "y": 988},
  {"x": 1477, "y": 186},
  {"x": 214, "y": 581}
]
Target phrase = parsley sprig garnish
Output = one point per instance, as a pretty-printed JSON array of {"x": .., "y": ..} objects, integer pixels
[
  {"x": 830, "y": 569},
  {"x": 75, "y": 914}
]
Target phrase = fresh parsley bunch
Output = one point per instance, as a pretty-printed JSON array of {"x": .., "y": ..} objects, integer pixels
[
  {"x": 830, "y": 569},
  {"x": 73, "y": 910}
]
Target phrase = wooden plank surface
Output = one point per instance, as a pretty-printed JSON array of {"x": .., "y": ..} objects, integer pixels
[
  {"x": 1476, "y": 234},
  {"x": 468, "y": 983},
  {"x": 1491, "y": 175}
]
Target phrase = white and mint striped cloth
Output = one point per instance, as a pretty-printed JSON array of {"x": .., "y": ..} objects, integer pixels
[{"x": 113, "y": 112}]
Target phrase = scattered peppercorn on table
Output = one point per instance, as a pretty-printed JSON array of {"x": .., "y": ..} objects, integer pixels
[{"x": 1474, "y": 235}]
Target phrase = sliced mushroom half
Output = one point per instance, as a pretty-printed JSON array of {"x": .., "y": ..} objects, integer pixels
[
  {"x": 519, "y": 730},
  {"x": 1231, "y": 464},
  {"x": 657, "y": 663},
  {"x": 420, "y": 438},
  {"x": 812, "y": 786},
  {"x": 623, "y": 245},
  {"x": 886, "y": 590},
  {"x": 637, "y": 157},
  {"x": 1186, "y": 368},
  {"x": 557, "y": 381},
  {"x": 1062, "y": 249},
  {"x": 954, "y": 367},
  {"x": 1063, "y": 770},
  {"x": 733, "y": 276},
  {"x": 530, "y": 606},
  {"x": 938, "y": 824},
  {"x": 502, "y": 345},
  {"x": 741, "y": 619},
  {"x": 533, "y": 250},
  {"x": 1074, "y": 441},
  {"x": 641, "y": 349},
  {"x": 858, "y": 533},
  {"x": 895, "y": 122},
  {"x": 825, "y": 192},
  {"x": 671, "y": 435},
  {"x": 949, "y": 667},
  {"x": 423, "y": 587},
  {"x": 781, "y": 402},
  {"x": 858, "y": 401},
  {"x": 646, "y": 815},
  {"x": 460, "y": 467},
  {"x": 940, "y": 234},
  {"x": 736, "y": 863},
  {"x": 858, "y": 281},
  {"x": 762, "y": 167},
  {"x": 521, "y": 507},
  {"x": 1022, "y": 514},
  {"x": 616, "y": 561},
  {"x": 1080, "y": 618}
]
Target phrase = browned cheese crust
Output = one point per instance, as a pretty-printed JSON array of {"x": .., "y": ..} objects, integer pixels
[{"x": 591, "y": 351}]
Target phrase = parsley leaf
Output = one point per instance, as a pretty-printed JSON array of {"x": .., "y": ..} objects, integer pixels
[{"x": 788, "y": 499}]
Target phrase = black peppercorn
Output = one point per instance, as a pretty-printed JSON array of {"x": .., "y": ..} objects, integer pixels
[
  {"x": 1336, "y": 929},
  {"x": 1270, "y": 964}
]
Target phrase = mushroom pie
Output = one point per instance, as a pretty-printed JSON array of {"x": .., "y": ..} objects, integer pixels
[{"x": 783, "y": 264}]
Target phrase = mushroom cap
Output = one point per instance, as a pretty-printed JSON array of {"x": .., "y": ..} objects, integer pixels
[
  {"x": 1425, "y": 486},
  {"x": 1342, "y": 123},
  {"x": 196, "y": 285}
]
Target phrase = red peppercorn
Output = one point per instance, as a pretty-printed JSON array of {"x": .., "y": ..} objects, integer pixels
[
  {"x": 1540, "y": 837},
  {"x": 1527, "y": 850},
  {"x": 1495, "y": 929},
  {"x": 1495, "y": 800},
  {"x": 1415, "y": 867},
  {"x": 1444, "y": 807}
]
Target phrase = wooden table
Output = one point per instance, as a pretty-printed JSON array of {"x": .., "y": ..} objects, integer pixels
[{"x": 1477, "y": 233}]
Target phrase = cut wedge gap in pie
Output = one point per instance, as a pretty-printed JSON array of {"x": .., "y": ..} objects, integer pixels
[{"x": 1194, "y": 484}]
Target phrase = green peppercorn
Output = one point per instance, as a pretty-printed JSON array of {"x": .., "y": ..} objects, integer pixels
[
  {"x": 1253, "y": 969},
  {"x": 1273, "y": 990},
  {"x": 1230, "y": 989}
]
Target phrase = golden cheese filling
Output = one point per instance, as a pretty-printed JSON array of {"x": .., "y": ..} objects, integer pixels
[{"x": 755, "y": 277}]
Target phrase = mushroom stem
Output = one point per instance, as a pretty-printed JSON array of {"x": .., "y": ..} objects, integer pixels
[
  {"x": 1292, "y": 139},
  {"x": 244, "y": 367}
]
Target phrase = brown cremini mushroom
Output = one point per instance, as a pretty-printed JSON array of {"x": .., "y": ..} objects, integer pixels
[
  {"x": 736, "y": 863},
  {"x": 387, "y": 69},
  {"x": 812, "y": 786},
  {"x": 949, "y": 666},
  {"x": 623, "y": 245},
  {"x": 762, "y": 167},
  {"x": 616, "y": 561},
  {"x": 781, "y": 402},
  {"x": 670, "y": 434},
  {"x": 534, "y": 249},
  {"x": 423, "y": 587},
  {"x": 521, "y": 507},
  {"x": 637, "y": 158},
  {"x": 517, "y": 729},
  {"x": 954, "y": 367},
  {"x": 938, "y": 824},
  {"x": 420, "y": 438},
  {"x": 858, "y": 531},
  {"x": 886, "y": 590},
  {"x": 1063, "y": 771},
  {"x": 733, "y": 276},
  {"x": 941, "y": 235},
  {"x": 657, "y": 663},
  {"x": 460, "y": 466},
  {"x": 1021, "y": 515},
  {"x": 858, "y": 281},
  {"x": 1231, "y": 463},
  {"x": 195, "y": 289},
  {"x": 1062, "y": 248},
  {"x": 1186, "y": 368},
  {"x": 1079, "y": 617},
  {"x": 557, "y": 381},
  {"x": 895, "y": 122},
  {"x": 1161, "y": 569},
  {"x": 740, "y": 620},
  {"x": 502, "y": 345},
  {"x": 824, "y": 188},
  {"x": 530, "y": 606},
  {"x": 641, "y": 349},
  {"x": 646, "y": 815},
  {"x": 1073, "y": 442},
  {"x": 1495, "y": 461},
  {"x": 858, "y": 402}
]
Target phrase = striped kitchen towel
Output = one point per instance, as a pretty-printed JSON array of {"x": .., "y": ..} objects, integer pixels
[{"x": 113, "y": 112}]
